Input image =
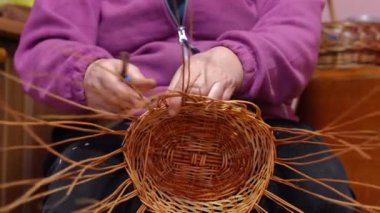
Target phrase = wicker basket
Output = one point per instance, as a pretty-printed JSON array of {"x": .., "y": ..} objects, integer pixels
[
  {"x": 213, "y": 156},
  {"x": 349, "y": 44}
]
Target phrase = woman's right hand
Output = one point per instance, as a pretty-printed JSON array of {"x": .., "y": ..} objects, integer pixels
[{"x": 106, "y": 89}]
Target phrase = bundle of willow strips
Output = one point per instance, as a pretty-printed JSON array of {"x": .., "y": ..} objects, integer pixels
[{"x": 213, "y": 156}]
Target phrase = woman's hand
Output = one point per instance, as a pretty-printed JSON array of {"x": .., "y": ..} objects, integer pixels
[
  {"x": 216, "y": 73},
  {"x": 106, "y": 90}
]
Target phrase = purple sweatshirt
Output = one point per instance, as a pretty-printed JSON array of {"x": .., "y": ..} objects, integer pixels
[{"x": 276, "y": 41}]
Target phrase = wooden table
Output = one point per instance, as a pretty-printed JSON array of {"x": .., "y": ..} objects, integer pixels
[{"x": 330, "y": 94}]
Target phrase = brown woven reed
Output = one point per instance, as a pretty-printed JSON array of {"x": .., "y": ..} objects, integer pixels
[
  {"x": 349, "y": 44},
  {"x": 213, "y": 156}
]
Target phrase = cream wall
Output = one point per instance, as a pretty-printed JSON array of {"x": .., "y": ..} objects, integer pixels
[{"x": 347, "y": 8}]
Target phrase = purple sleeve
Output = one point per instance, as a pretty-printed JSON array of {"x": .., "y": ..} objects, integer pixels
[
  {"x": 57, "y": 45},
  {"x": 280, "y": 52}
]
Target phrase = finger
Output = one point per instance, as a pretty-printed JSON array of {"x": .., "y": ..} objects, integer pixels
[
  {"x": 115, "y": 109},
  {"x": 138, "y": 80},
  {"x": 119, "y": 93},
  {"x": 115, "y": 103},
  {"x": 216, "y": 91},
  {"x": 228, "y": 92},
  {"x": 180, "y": 82},
  {"x": 135, "y": 111},
  {"x": 101, "y": 104},
  {"x": 196, "y": 90},
  {"x": 144, "y": 85},
  {"x": 103, "y": 84},
  {"x": 174, "y": 105},
  {"x": 129, "y": 98},
  {"x": 97, "y": 96}
]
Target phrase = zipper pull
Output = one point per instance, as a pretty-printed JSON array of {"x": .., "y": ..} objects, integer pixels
[{"x": 182, "y": 38}]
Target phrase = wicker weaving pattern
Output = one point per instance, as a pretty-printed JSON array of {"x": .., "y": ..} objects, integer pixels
[
  {"x": 349, "y": 44},
  {"x": 213, "y": 156}
]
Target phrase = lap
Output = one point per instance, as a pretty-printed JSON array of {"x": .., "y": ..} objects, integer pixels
[
  {"x": 100, "y": 188},
  {"x": 331, "y": 168},
  {"x": 96, "y": 189}
]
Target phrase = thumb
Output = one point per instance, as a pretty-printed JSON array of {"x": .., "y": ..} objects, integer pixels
[{"x": 137, "y": 79}]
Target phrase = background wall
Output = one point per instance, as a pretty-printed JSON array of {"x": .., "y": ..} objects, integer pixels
[
  {"x": 27, "y": 3},
  {"x": 347, "y": 8},
  {"x": 344, "y": 8}
]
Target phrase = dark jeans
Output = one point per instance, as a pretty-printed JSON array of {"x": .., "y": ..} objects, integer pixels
[{"x": 102, "y": 187}]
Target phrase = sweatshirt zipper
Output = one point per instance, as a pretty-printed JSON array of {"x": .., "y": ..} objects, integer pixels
[
  {"x": 173, "y": 15},
  {"x": 181, "y": 30}
]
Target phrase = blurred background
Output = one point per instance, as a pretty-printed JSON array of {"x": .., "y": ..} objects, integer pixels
[
  {"x": 26, "y": 3},
  {"x": 344, "y": 8},
  {"x": 347, "y": 8}
]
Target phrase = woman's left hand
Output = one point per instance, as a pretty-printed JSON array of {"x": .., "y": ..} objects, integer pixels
[{"x": 216, "y": 73}]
